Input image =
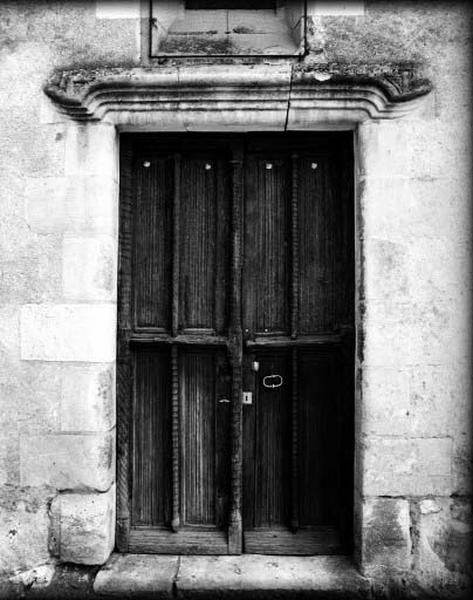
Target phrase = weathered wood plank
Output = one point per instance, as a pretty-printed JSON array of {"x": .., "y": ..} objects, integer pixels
[
  {"x": 321, "y": 540},
  {"x": 236, "y": 354},
  {"x": 176, "y": 227},
  {"x": 124, "y": 359},
  {"x": 152, "y": 240},
  {"x": 267, "y": 253},
  {"x": 151, "y": 497},
  {"x": 186, "y": 541},
  {"x": 176, "y": 440}
]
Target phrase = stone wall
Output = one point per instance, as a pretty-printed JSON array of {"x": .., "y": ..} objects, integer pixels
[{"x": 58, "y": 263}]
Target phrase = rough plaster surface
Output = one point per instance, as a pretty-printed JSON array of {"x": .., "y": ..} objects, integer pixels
[{"x": 58, "y": 224}]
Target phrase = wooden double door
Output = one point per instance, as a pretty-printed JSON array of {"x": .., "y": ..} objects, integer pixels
[{"x": 235, "y": 343}]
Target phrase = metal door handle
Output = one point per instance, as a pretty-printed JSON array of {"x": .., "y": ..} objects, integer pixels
[{"x": 276, "y": 381}]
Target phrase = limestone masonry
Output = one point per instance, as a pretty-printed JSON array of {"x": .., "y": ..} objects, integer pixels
[{"x": 59, "y": 181}]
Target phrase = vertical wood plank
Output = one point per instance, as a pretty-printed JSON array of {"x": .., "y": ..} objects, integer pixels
[
  {"x": 267, "y": 254},
  {"x": 198, "y": 241},
  {"x": 198, "y": 431},
  {"x": 222, "y": 419},
  {"x": 175, "y": 424},
  {"x": 152, "y": 245},
  {"x": 295, "y": 246},
  {"x": 151, "y": 439},
  {"x": 273, "y": 443},
  {"x": 235, "y": 348},
  {"x": 124, "y": 362},
  {"x": 175, "y": 245},
  {"x": 294, "y": 326},
  {"x": 295, "y": 445}
]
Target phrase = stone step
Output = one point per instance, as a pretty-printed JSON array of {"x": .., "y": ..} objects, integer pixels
[{"x": 246, "y": 576}]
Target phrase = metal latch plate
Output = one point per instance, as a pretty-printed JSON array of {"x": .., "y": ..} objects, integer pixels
[{"x": 247, "y": 398}]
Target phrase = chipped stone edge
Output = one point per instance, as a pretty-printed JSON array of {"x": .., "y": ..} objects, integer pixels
[{"x": 335, "y": 91}]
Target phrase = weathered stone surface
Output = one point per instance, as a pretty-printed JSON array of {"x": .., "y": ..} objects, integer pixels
[
  {"x": 442, "y": 546},
  {"x": 407, "y": 467},
  {"x": 411, "y": 333},
  {"x": 412, "y": 211},
  {"x": 29, "y": 397},
  {"x": 414, "y": 184},
  {"x": 379, "y": 157},
  {"x": 415, "y": 401},
  {"x": 81, "y": 204},
  {"x": 87, "y": 398},
  {"x": 31, "y": 270},
  {"x": 68, "y": 461},
  {"x": 137, "y": 574},
  {"x": 267, "y": 576},
  {"x": 24, "y": 525},
  {"x": 37, "y": 578},
  {"x": 83, "y": 527},
  {"x": 387, "y": 334},
  {"x": 91, "y": 149},
  {"x": 68, "y": 332},
  {"x": 385, "y": 537},
  {"x": 89, "y": 267}
]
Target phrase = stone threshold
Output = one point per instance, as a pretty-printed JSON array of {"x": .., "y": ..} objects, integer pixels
[{"x": 246, "y": 576}]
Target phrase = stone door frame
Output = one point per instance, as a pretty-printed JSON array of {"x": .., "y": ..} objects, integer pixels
[{"x": 100, "y": 104}]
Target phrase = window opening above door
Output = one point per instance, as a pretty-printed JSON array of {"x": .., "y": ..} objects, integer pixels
[{"x": 190, "y": 28}]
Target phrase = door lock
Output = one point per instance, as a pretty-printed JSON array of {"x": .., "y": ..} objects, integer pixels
[{"x": 247, "y": 398}]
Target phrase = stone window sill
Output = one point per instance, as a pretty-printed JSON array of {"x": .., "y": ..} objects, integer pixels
[{"x": 245, "y": 576}]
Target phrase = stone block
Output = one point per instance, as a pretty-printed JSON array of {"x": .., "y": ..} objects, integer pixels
[
  {"x": 92, "y": 149},
  {"x": 30, "y": 268},
  {"x": 440, "y": 331},
  {"x": 385, "y": 536},
  {"x": 81, "y": 204},
  {"x": 122, "y": 9},
  {"x": 396, "y": 149},
  {"x": 68, "y": 332},
  {"x": 385, "y": 408},
  {"x": 463, "y": 460},
  {"x": 89, "y": 268},
  {"x": 395, "y": 466},
  {"x": 38, "y": 578},
  {"x": 418, "y": 401},
  {"x": 68, "y": 461},
  {"x": 9, "y": 333},
  {"x": 385, "y": 270},
  {"x": 439, "y": 400},
  {"x": 387, "y": 333},
  {"x": 343, "y": 9},
  {"x": 404, "y": 210},
  {"x": 29, "y": 397},
  {"x": 83, "y": 527},
  {"x": 270, "y": 577},
  {"x": 126, "y": 575},
  {"x": 442, "y": 552},
  {"x": 399, "y": 334},
  {"x": 40, "y": 149},
  {"x": 87, "y": 398},
  {"x": 24, "y": 527}
]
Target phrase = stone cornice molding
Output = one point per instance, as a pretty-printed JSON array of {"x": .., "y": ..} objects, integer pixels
[{"x": 270, "y": 96}]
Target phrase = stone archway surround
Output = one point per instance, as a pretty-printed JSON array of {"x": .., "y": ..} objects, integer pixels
[{"x": 98, "y": 105}]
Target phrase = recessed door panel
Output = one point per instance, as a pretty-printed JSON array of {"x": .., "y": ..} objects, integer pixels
[
  {"x": 152, "y": 255},
  {"x": 203, "y": 240},
  {"x": 266, "y": 242}
]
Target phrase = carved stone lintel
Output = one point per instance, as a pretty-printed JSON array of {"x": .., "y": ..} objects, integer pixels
[{"x": 203, "y": 97}]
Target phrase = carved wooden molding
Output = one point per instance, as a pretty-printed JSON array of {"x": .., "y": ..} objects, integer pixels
[{"x": 238, "y": 97}]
